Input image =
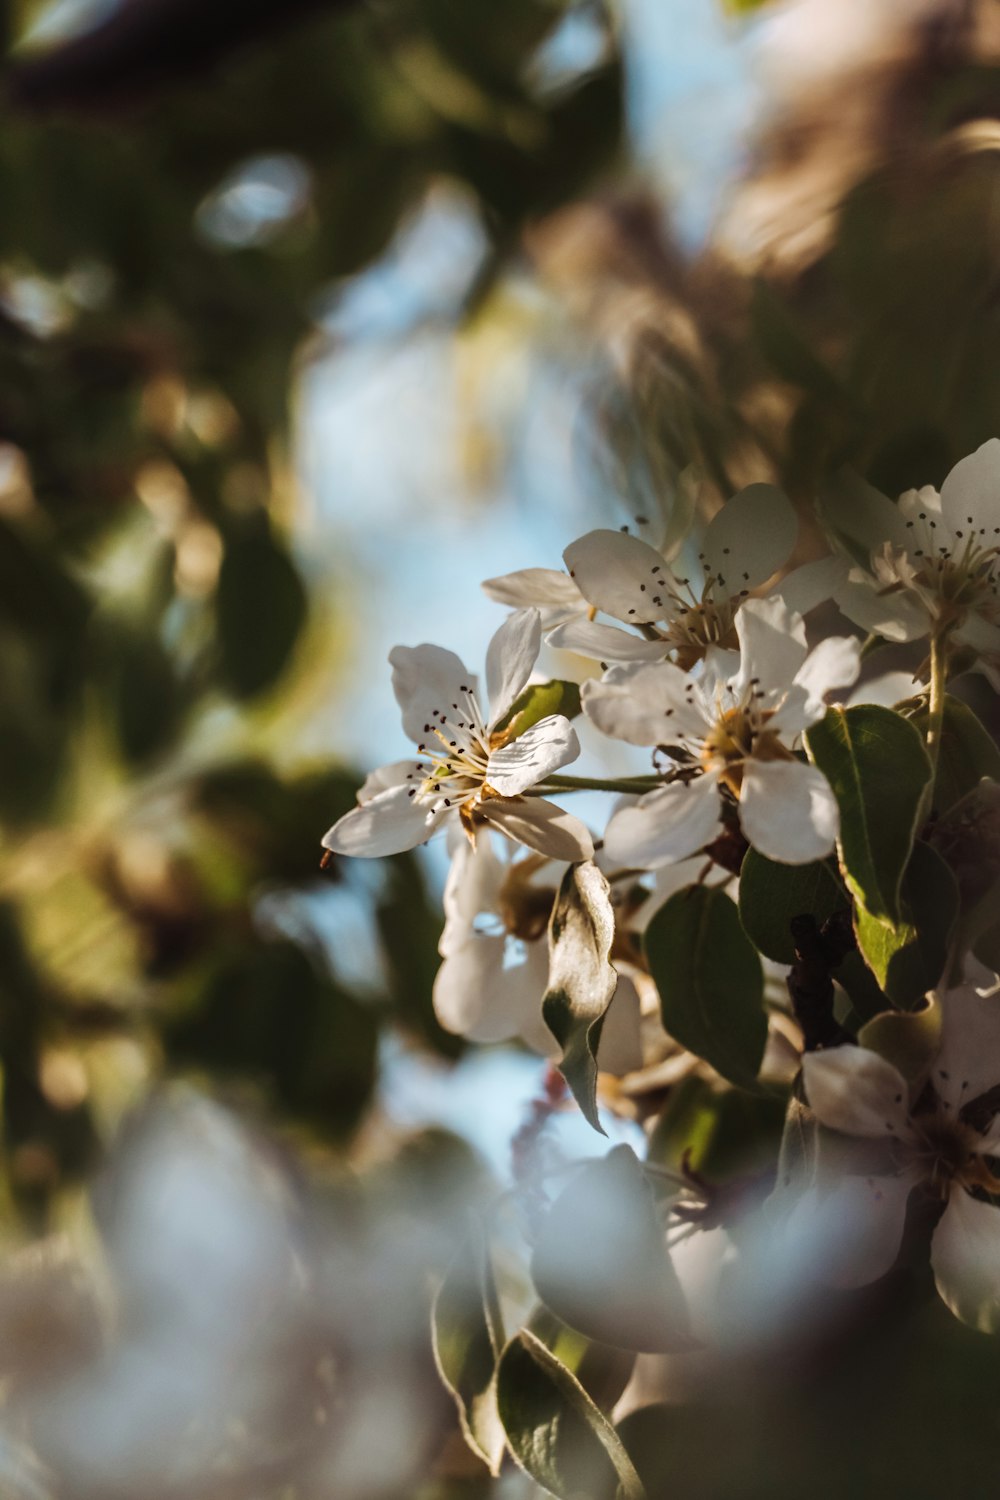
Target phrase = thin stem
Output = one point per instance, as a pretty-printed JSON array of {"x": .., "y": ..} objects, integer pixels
[
  {"x": 600, "y": 784},
  {"x": 873, "y": 642},
  {"x": 936, "y": 708}
]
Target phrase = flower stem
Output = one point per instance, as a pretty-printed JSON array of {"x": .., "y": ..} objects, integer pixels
[
  {"x": 599, "y": 784},
  {"x": 936, "y": 707}
]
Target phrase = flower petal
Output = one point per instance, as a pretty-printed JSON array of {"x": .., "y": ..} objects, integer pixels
[
  {"x": 965, "y": 1259},
  {"x": 857, "y": 513},
  {"x": 772, "y": 646},
  {"x": 536, "y": 588},
  {"x": 855, "y": 1091},
  {"x": 897, "y": 617},
  {"x": 886, "y": 690},
  {"x": 622, "y": 576},
  {"x": 750, "y": 538},
  {"x": 480, "y": 995},
  {"x": 788, "y": 811},
  {"x": 811, "y": 583},
  {"x": 605, "y": 642},
  {"x": 540, "y": 825},
  {"x": 384, "y": 777},
  {"x": 646, "y": 705},
  {"x": 852, "y": 1234},
  {"x": 388, "y": 824},
  {"x": 968, "y": 1060},
  {"x": 428, "y": 681},
  {"x": 475, "y": 877},
  {"x": 510, "y": 657},
  {"x": 666, "y": 825},
  {"x": 834, "y": 663},
  {"x": 619, "y": 1049},
  {"x": 526, "y": 761},
  {"x": 970, "y": 496}
]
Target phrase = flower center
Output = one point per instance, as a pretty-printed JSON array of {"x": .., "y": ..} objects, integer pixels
[
  {"x": 949, "y": 1151},
  {"x": 738, "y": 735},
  {"x": 454, "y": 759},
  {"x": 698, "y": 626},
  {"x": 960, "y": 573}
]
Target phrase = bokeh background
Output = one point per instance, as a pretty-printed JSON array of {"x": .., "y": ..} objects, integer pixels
[{"x": 313, "y": 315}]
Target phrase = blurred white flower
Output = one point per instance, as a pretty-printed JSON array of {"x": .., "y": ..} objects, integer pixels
[{"x": 940, "y": 1134}]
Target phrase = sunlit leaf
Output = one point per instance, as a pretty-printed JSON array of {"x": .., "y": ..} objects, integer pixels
[
  {"x": 582, "y": 981},
  {"x": 556, "y": 1433},
  {"x": 879, "y": 769}
]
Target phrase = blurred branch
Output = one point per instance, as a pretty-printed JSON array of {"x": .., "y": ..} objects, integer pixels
[{"x": 148, "y": 45}]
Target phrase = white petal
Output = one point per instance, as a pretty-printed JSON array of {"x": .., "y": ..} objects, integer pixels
[
  {"x": 855, "y": 1091},
  {"x": 968, "y": 1060},
  {"x": 811, "y": 584},
  {"x": 646, "y": 705},
  {"x": 983, "y": 635},
  {"x": 538, "y": 588},
  {"x": 540, "y": 825},
  {"x": 834, "y": 663},
  {"x": 852, "y": 1234},
  {"x": 384, "y": 777},
  {"x": 788, "y": 811},
  {"x": 970, "y": 496},
  {"x": 510, "y": 657},
  {"x": 666, "y": 825},
  {"x": 526, "y": 761},
  {"x": 622, "y": 576},
  {"x": 750, "y": 538},
  {"x": 427, "y": 680},
  {"x": 475, "y": 877},
  {"x": 772, "y": 645},
  {"x": 897, "y": 617},
  {"x": 857, "y": 513},
  {"x": 921, "y": 505},
  {"x": 388, "y": 824},
  {"x": 619, "y": 1050},
  {"x": 887, "y": 690},
  {"x": 480, "y": 994},
  {"x": 965, "y": 1258},
  {"x": 605, "y": 642}
]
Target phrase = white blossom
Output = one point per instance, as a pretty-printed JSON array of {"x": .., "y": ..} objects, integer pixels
[
  {"x": 734, "y": 726},
  {"x": 468, "y": 769},
  {"x": 930, "y": 563},
  {"x": 616, "y": 574},
  {"x": 940, "y": 1134}
]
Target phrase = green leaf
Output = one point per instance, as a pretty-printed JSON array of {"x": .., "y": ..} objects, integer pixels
[
  {"x": 909, "y": 1040},
  {"x": 260, "y": 608},
  {"x": 582, "y": 981},
  {"x": 602, "y": 1369},
  {"x": 879, "y": 769},
  {"x": 966, "y": 754},
  {"x": 968, "y": 839},
  {"x": 555, "y": 1432},
  {"x": 771, "y": 895},
  {"x": 908, "y": 958},
  {"x": 467, "y": 1338},
  {"x": 600, "y": 1261},
  {"x": 538, "y": 701},
  {"x": 710, "y": 981}
]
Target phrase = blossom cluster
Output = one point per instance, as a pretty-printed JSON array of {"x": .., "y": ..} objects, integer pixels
[{"x": 793, "y": 887}]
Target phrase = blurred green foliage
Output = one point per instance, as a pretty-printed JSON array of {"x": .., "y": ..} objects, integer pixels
[{"x": 153, "y": 314}]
